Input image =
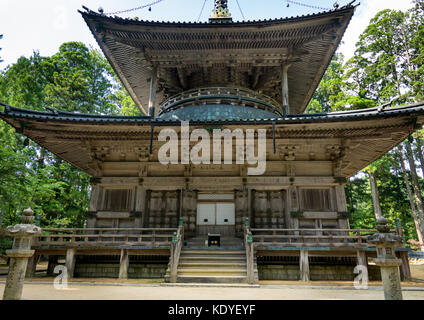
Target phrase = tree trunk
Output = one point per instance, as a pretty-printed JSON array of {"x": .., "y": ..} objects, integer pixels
[
  {"x": 415, "y": 183},
  {"x": 420, "y": 154},
  {"x": 1, "y": 217},
  {"x": 411, "y": 199},
  {"x": 374, "y": 194}
]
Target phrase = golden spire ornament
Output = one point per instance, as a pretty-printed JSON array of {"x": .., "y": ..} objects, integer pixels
[{"x": 220, "y": 13}]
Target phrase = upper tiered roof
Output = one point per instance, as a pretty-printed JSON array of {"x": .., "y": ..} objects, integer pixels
[{"x": 247, "y": 54}]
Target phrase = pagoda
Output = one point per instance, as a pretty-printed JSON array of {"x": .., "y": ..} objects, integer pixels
[{"x": 149, "y": 219}]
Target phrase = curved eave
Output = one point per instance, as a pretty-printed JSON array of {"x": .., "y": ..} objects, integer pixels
[{"x": 14, "y": 115}]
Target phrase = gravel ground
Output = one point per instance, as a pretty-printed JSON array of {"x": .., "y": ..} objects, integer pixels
[
  {"x": 85, "y": 291},
  {"x": 143, "y": 289}
]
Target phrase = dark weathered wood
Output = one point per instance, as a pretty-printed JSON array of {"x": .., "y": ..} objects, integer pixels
[
  {"x": 405, "y": 270},
  {"x": 105, "y": 237},
  {"x": 32, "y": 265}
]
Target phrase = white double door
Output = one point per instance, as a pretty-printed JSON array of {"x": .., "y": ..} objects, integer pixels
[{"x": 216, "y": 214}]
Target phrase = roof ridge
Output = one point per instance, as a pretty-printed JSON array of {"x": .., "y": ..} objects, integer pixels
[{"x": 348, "y": 7}]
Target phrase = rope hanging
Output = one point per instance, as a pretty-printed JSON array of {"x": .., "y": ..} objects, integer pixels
[
  {"x": 241, "y": 11},
  {"x": 201, "y": 11},
  {"x": 134, "y": 9},
  {"x": 306, "y": 5}
]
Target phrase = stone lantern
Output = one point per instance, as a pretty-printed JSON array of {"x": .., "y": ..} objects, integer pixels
[
  {"x": 385, "y": 243},
  {"x": 19, "y": 254}
]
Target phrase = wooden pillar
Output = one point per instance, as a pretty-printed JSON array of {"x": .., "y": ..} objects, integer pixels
[
  {"x": 285, "y": 89},
  {"x": 405, "y": 270},
  {"x": 94, "y": 200},
  {"x": 153, "y": 89},
  {"x": 140, "y": 206},
  {"x": 124, "y": 265},
  {"x": 51, "y": 264},
  {"x": 304, "y": 266},
  {"x": 341, "y": 205},
  {"x": 249, "y": 204},
  {"x": 32, "y": 265},
  {"x": 361, "y": 258},
  {"x": 70, "y": 262},
  {"x": 96, "y": 193}
]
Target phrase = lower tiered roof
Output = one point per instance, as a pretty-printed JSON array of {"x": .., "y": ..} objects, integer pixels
[{"x": 362, "y": 136}]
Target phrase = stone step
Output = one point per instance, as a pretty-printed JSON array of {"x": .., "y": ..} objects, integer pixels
[
  {"x": 209, "y": 259},
  {"x": 210, "y": 271},
  {"x": 211, "y": 266},
  {"x": 214, "y": 264},
  {"x": 213, "y": 252},
  {"x": 211, "y": 279}
]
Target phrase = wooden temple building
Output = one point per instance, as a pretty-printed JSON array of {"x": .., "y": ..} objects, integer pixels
[{"x": 147, "y": 219}]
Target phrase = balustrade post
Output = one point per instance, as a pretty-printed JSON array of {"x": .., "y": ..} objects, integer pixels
[
  {"x": 181, "y": 227},
  {"x": 250, "y": 258},
  {"x": 304, "y": 266},
  {"x": 70, "y": 262},
  {"x": 124, "y": 265},
  {"x": 175, "y": 253}
]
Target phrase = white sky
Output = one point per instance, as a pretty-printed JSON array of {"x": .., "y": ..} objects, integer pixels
[{"x": 29, "y": 25}]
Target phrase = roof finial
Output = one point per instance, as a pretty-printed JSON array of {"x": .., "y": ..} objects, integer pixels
[{"x": 220, "y": 13}]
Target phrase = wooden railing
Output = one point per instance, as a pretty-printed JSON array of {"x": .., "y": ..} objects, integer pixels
[
  {"x": 312, "y": 237},
  {"x": 89, "y": 237},
  {"x": 176, "y": 246},
  {"x": 239, "y": 93}
]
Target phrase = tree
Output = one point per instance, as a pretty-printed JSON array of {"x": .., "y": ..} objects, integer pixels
[
  {"x": 1, "y": 37},
  {"x": 330, "y": 89},
  {"x": 415, "y": 181},
  {"x": 75, "y": 79},
  {"x": 411, "y": 198}
]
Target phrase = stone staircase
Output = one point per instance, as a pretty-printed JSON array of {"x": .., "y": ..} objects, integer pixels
[{"x": 201, "y": 264}]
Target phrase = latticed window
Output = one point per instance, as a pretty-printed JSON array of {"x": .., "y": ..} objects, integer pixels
[
  {"x": 315, "y": 199},
  {"x": 117, "y": 200}
]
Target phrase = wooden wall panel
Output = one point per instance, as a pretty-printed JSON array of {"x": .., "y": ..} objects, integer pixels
[
  {"x": 269, "y": 209},
  {"x": 189, "y": 212}
]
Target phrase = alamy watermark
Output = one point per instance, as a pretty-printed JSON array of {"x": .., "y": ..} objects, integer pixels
[
  {"x": 200, "y": 153},
  {"x": 61, "y": 281},
  {"x": 361, "y": 280}
]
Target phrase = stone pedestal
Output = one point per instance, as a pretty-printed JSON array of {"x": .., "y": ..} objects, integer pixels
[
  {"x": 391, "y": 278},
  {"x": 19, "y": 254},
  {"x": 385, "y": 243}
]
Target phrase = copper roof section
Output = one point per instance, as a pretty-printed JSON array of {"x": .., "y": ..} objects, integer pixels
[
  {"x": 238, "y": 54},
  {"x": 78, "y": 138}
]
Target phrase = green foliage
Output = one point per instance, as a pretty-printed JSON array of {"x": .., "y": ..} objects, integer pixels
[
  {"x": 388, "y": 62},
  {"x": 5, "y": 244},
  {"x": 75, "y": 79}
]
